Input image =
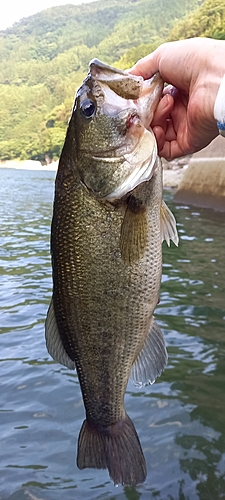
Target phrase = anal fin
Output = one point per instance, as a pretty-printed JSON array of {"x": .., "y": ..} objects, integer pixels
[
  {"x": 53, "y": 340},
  {"x": 152, "y": 359}
]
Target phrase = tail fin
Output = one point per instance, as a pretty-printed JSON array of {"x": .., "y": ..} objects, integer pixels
[{"x": 116, "y": 448}]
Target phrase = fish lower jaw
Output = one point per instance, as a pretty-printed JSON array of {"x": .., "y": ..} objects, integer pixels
[{"x": 112, "y": 154}]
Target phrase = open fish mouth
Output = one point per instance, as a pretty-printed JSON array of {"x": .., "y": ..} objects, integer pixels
[{"x": 121, "y": 82}]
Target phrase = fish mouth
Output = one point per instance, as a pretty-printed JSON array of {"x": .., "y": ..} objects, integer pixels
[{"x": 121, "y": 82}]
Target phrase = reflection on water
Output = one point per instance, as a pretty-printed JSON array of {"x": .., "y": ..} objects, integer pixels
[{"x": 180, "y": 419}]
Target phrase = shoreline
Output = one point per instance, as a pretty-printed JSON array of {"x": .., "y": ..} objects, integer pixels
[
  {"x": 172, "y": 172},
  {"x": 28, "y": 165}
]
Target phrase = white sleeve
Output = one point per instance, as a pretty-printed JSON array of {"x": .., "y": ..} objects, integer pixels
[{"x": 219, "y": 108}]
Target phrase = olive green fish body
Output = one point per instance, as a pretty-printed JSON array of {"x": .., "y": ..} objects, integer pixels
[
  {"x": 102, "y": 303},
  {"x": 108, "y": 224}
]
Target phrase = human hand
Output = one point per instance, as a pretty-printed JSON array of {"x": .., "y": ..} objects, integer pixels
[{"x": 184, "y": 119}]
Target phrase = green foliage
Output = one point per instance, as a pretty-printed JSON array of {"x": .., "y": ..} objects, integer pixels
[
  {"x": 136, "y": 53},
  {"x": 207, "y": 21},
  {"x": 45, "y": 57}
]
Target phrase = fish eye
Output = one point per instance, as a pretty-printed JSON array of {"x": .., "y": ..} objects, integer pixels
[{"x": 88, "y": 108}]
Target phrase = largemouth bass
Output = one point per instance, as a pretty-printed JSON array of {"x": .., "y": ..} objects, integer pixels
[{"x": 108, "y": 224}]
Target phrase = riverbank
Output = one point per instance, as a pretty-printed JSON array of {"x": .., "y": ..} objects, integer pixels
[
  {"x": 203, "y": 183},
  {"x": 172, "y": 172},
  {"x": 197, "y": 179},
  {"x": 28, "y": 165}
]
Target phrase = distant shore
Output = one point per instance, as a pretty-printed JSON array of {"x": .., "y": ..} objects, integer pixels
[
  {"x": 197, "y": 179},
  {"x": 28, "y": 165},
  {"x": 172, "y": 172}
]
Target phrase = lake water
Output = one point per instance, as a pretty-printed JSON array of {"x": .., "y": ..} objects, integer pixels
[{"x": 180, "y": 419}]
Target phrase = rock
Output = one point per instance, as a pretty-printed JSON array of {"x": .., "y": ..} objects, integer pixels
[
  {"x": 203, "y": 183},
  {"x": 173, "y": 177},
  {"x": 173, "y": 171}
]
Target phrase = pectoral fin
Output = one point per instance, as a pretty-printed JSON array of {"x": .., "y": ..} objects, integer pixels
[
  {"x": 151, "y": 360},
  {"x": 134, "y": 235},
  {"x": 53, "y": 340},
  {"x": 168, "y": 225}
]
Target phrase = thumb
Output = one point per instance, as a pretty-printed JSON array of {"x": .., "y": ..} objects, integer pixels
[{"x": 146, "y": 67}]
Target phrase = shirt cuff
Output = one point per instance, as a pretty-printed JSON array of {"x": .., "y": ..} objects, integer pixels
[{"x": 219, "y": 108}]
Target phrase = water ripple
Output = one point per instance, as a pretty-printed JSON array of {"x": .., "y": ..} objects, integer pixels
[{"x": 180, "y": 419}]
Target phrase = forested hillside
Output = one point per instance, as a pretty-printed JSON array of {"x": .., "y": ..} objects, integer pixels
[
  {"x": 45, "y": 57},
  {"x": 208, "y": 20}
]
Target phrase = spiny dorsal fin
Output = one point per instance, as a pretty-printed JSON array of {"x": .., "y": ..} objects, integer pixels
[
  {"x": 168, "y": 225},
  {"x": 152, "y": 359},
  {"x": 53, "y": 340}
]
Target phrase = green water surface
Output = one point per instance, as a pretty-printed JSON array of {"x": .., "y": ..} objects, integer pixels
[{"x": 180, "y": 419}]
